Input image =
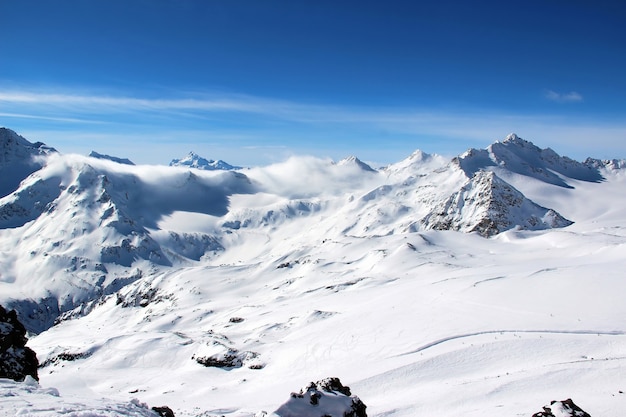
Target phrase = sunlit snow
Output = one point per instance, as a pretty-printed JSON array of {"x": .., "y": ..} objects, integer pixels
[{"x": 310, "y": 269}]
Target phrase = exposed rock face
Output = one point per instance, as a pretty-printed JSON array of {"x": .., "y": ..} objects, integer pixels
[
  {"x": 489, "y": 205},
  {"x": 16, "y": 360},
  {"x": 163, "y": 411},
  {"x": 565, "y": 408},
  {"x": 325, "y": 398}
]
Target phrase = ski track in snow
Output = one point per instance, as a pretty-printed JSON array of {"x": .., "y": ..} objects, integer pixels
[{"x": 547, "y": 332}]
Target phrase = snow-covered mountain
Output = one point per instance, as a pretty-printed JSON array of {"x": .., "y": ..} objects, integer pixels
[
  {"x": 193, "y": 160},
  {"x": 18, "y": 159},
  {"x": 80, "y": 228},
  {"x": 488, "y": 205},
  {"x": 482, "y": 285}
]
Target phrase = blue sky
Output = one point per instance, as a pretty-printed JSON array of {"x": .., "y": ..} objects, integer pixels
[{"x": 252, "y": 82}]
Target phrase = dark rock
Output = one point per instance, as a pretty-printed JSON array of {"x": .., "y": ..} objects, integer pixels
[
  {"x": 16, "y": 360},
  {"x": 163, "y": 411},
  {"x": 562, "y": 408},
  {"x": 325, "y": 398},
  {"x": 229, "y": 358},
  {"x": 333, "y": 384},
  {"x": 65, "y": 357}
]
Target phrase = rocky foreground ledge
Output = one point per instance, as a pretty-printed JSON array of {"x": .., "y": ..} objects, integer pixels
[
  {"x": 565, "y": 408},
  {"x": 16, "y": 360}
]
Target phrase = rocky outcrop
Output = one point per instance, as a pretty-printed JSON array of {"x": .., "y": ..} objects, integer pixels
[
  {"x": 163, "y": 411},
  {"x": 325, "y": 398},
  {"x": 565, "y": 408},
  {"x": 16, "y": 360},
  {"x": 217, "y": 355}
]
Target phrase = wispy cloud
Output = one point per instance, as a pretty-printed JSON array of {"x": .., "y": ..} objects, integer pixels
[
  {"x": 264, "y": 129},
  {"x": 52, "y": 119},
  {"x": 571, "y": 97},
  {"x": 89, "y": 103}
]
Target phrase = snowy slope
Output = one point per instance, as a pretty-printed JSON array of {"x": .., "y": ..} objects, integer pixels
[
  {"x": 28, "y": 398},
  {"x": 322, "y": 269}
]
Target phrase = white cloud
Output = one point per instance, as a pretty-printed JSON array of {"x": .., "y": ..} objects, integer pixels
[
  {"x": 251, "y": 131},
  {"x": 52, "y": 119},
  {"x": 93, "y": 103},
  {"x": 571, "y": 97}
]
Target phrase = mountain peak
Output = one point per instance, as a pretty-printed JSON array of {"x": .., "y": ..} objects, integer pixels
[
  {"x": 512, "y": 137},
  {"x": 193, "y": 160},
  {"x": 523, "y": 157},
  {"x": 489, "y": 205},
  {"x": 353, "y": 160}
]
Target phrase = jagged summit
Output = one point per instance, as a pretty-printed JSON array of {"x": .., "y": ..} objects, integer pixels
[
  {"x": 608, "y": 164},
  {"x": 513, "y": 138},
  {"x": 523, "y": 157},
  {"x": 353, "y": 160},
  {"x": 193, "y": 160},
  {"x": 124, "y": 161}
]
